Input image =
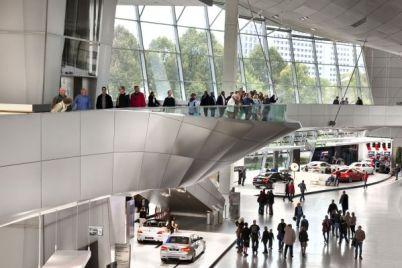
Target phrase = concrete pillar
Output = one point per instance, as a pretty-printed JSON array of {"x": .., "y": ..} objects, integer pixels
[
  {"x": 225, "y": 180},
  {"x": 230, "y": 45},
  {"x": 296, "y": 156}
]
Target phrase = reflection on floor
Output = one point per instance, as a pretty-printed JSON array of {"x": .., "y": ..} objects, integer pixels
[{"x": 378, "y": 210}]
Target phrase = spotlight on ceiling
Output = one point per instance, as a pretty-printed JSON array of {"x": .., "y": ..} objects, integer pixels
[
  {"x": 304, "y": 18},
  {"x": 313, "y": 29},
  {"x": 275, "y": 16}
]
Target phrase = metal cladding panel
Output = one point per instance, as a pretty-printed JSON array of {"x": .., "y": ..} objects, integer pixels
[
  {"x": 130, "y": 131},
  {"x": 162, "y": 132},
  {"x": 97, "y": 130},
  {"x": 234, "y": 128},
  {"x": 216, "y": 146},
  {"x": 60, "y": 135},
  {"x": 152, "y": 169},
  {"x": 126, "y": 171},
  {"x": 195, "y": 172},
  {"x": 175, "y": 171},
  {"x": 203, "y": 122},
  {"x": 190, "y": 140},
  {"x": 20, "y": 188},
  {"x": 19, "y": 139},
  {"x": 96, "y": 175},
  {"x": 61, "y": 181}
]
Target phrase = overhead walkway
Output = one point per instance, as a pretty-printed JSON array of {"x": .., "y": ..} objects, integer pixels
[{"x": 56, "y": 159}]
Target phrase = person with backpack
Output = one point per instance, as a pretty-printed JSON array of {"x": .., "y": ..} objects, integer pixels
[
  {"x": 270, "y": 203},
  {"x": 245, "y": 235},
  {"x": 281, "y": 233},
  {"x": 326, "y": 227},
  {"x": 303, "y": 189},
  {"x": 298, "y": 214},
  {"x": 303, "y": 238},
  {"x": 255, "y": 236}
]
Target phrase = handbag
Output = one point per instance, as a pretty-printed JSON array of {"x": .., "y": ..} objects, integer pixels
[{"x": 294, "y": 218}]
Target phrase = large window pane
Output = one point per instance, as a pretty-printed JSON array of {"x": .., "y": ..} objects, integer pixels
[
  {"x": 160, "y": 14},
  {"x": 197, "y": 87},
  {"x": 346, "y": 73},
  {"x": 216, "y": 17},
  {"x": 193, "y": 41},
  {"x": 308, "y": 94},
  {"x": 125, "y": 70},
  {"x": 192, "y": 16},
  {"x": 305, "y": 74},
  {"x": 126, "y": 10},
  {"x": 282, "y": 46},
  {"x": 256, "y": 71},
  {"x": 217, "y": 42},
  {"x": 363, "y": 77},
  {"x": 285, "y": 93},
  {"x": 161, "y": 87},
  {"x": 329, "y": 93},
  {"x": 345, "y": 54},
  {"x": 303, "y": 50},
  {"x": 367, "y": 97},
  {"x": 125, "y": 34},
  {"x": 325, "y": 52},
  {"x": 328, "y": 75},
  {"x": 158, "y": 37}
]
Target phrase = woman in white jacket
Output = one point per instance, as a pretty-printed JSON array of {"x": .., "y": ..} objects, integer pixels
[{"x": 63, "y": 106}]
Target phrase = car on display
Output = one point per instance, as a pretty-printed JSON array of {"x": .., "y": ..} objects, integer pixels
[
  {"x": 153, "y": 231},
  {"x": 349, "y": 175},
  {"x": 317, "y": 166},
  {"x": 269, "y": 178},
  {"x": 369, "y": 162},
  {"x": 361, "y": 166},
  {"x": 180, "y": 246}
]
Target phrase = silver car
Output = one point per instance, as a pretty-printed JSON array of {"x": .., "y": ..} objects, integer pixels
[{"x": 181, "y": 246}]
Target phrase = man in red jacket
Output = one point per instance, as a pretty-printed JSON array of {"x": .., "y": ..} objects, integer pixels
[{"x": 137, "y": 98}]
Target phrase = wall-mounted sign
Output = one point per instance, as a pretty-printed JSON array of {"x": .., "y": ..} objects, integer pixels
[
  {"x": 123, "y": 255},
  {"x": 95, "y": 230}
]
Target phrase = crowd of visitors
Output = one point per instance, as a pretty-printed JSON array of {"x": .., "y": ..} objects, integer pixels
[{"x": 341, "y": 223}]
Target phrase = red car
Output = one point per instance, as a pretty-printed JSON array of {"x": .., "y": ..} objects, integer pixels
[{"x": 349, "y": 175}]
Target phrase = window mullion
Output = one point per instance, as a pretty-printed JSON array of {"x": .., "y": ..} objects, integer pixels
[
  {"x": 317, "y": 72},
  {"x": 142, "y": 52},
  {"x": 338, "y": 74},
  {"x": 210, "y": 52},
  {"x": 178, "y": 55},
  {"x": 294, "y": 71}
]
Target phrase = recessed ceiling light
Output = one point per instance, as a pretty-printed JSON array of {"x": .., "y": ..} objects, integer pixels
[
  {"x": 313, "y": 29},
  {"x": 304, "y": 18},
  {"x": 275, "y": 16}
]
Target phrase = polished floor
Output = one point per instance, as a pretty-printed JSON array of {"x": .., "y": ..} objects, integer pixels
[{"x": 378, "y": 210}]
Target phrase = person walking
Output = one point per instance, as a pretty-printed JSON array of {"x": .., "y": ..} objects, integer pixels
[
  {"x": 303, "y": 238},
  {"x": 270, "y": 203},
  {"x": 281, "y": 234},
  {"x": 326, "y": 227},
  {"x": 104, "y": 100},
  {"x": 261, "y": 202},
  {"x": 291, "y": 191},
  {"x": 303, "y": 188},
  {"x": 289, "y": 239},
  {"x": 169, "y": 100},
  {"x": 348, "y": 221},
  {"x": 344, "y": 201},
  {"x": 332, "y": 210},
  {"x": 304, "y": 223},
  {"x": 353, "y": 224},
  {"x": 298, "y": 214},
  {"x": 264, "y": 239},
  {"x": 255, "y": 236},
  {"x": 82, "y": 102},
  {"x": 123, "y": 100},
  {"x": 286, "y": 191},
  {"x": 343, "y": 227},
  {"x": 336, "y": 223},
  {"x": 365, "y": 179},
  {"x": 245, "y": 235},
  {"x": 152, "y": 100},
  {"x": 397, "y": 170},
  {"x": 337, "y": 176},
  {"x": 359, "y": 238},
  {"x": 239, "y": 230},
  {"x": 270, "y": 239}
]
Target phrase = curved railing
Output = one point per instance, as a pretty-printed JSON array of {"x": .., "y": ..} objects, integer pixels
[{"x": 263, "y": 112}]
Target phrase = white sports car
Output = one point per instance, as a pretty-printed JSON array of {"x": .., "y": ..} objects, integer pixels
[
  {"x": 153, "y": 231},
  {"x": 182, "y": 246},
  {"x": 362, "y": 166}
]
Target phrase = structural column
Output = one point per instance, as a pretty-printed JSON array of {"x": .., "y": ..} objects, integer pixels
[
  {"x": 225, "y": 180},
  {"x": 230, "y": 45}
]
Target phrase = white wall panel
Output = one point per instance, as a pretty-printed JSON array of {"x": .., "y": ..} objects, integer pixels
[
  {"x": 60, "y": 181},
  {"x": 34, "y": 59},
  {"x": 34, "y": 15},
  {"x": 19, "y": 139},
  {"x": 151, "y": 174},
  {"x": 97, "y": 130},
  {"x": 126, "y": 171},
  {"x": 56, "y": 16},
  {"x": 96, "y": 175},
  {"x": 54, "y": 52},
  {"x": 130, "y": 131},
  {"x": 60, "y": 135},
  {"x": 216, "y": 146},
  {"x": 161, "y": 141},
  {"x": 190, "y": 140},
  {"x": 11, "y": 15},
  {"x": 175, "y": 170},
  {"x": 20, "y": 188}
]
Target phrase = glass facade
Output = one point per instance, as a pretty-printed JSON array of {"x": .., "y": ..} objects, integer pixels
[{"x": 181, "y": 48}]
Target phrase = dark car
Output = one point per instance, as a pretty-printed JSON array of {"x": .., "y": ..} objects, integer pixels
[{"x": 268, "y": 179}]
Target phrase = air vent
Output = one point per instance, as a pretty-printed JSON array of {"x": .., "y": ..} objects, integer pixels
[{"x": 359, "y": 22}]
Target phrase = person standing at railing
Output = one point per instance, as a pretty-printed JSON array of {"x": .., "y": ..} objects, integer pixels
[
  {"x": 273, "y": 99},
  {"x": 205, "y": 101},
  {"x": 221, "y": 101},
  {"x": 193, "y": 105},
  {"x": 169, "y": 100},
  {"x": 104, "y": 100},
  {"x": 152, "y": 101},
  {"x": 247, "y": 103},
  {"x": 82, "y": 102},
  {"x": 232, "y": 108},
  {"x": 61, "y": 96},
  {"x": 123, "y": 100},
  {"x": 137, "y": 98},
  {"x": 212, "y": 102},
  {"x": 256, "y": 107}
]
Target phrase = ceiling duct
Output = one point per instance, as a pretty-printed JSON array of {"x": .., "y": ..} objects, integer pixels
[{"x": 359, "y": 22}]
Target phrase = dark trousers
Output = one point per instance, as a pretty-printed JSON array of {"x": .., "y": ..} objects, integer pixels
[
  {"x": 254, "y": 243},
  {"x": 221, "y": 111},
  {"x": 302, "y": 197},
  {"x": 326, "y": 236},
  {"x": 352, "y": 229},
  {"x": 290, "y": 247},
  {"x": 264, "y": 242},
  {"x": 271, "y": 209},
  {"x": 344, "y": 211},
  {"x": 358, "y": 249},
  {"x": 342, "y": 236}
]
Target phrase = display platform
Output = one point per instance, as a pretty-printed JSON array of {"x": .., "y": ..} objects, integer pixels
[{"x": 68, "y": 259}]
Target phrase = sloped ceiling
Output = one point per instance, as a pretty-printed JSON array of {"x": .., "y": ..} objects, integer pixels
[{"x": 379, "y": 22}]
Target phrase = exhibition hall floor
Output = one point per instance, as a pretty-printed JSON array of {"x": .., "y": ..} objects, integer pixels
[{"x": 378, "y": 210}]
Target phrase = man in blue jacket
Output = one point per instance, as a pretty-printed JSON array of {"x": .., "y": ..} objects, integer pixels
[{"x": 82, "y": 101}]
